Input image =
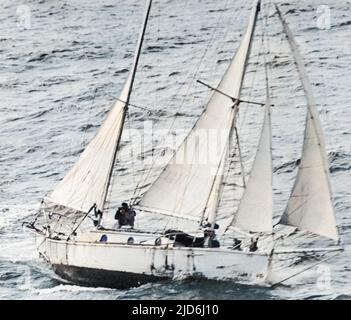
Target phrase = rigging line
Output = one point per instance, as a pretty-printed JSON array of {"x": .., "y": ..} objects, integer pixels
[
  {"x": 86, "y": 127},
  {"x": 237, "y": 135},
  {"x": 236, "y": 102},
  {"x": 136, "y": 190},
  {"x": 149, "y": 110},
  {"x": 247, "y": 59},
  {"x": 197, "y": 68},
  {"x": 325, "y": 84},
  {"x": 237, "y": 132},
  {"x": 240, "y": 157},
  {"x": 235, "y": 109},
  {"x": 228, "y": 96},
  {"x": 121, "y": 159},
  {"x": 180, "y": 145},
  {"x": 85, "y": 130},
  {"x": 223, "y": 158},
  {"x": 308, "y": 268},
  {"x": 268, "y": 52},
  {"x": 226, "y": 30},
  {"x": 131, "y": 148},
  {"x": 132, "y": 105},
  {"x": 270, "y": 13},
  {"x": 252, "y": 85},
  {"x": 230, "y": 168},
  {"x": 131, "y": 79}
]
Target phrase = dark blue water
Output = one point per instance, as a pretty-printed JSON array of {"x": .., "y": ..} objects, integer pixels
[{"x": 62, "y": 64}]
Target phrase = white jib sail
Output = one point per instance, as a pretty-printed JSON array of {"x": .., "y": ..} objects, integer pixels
[
  {"x": 85, "y": 183},
  {"x": 184, "y": 187},
  {"x": 256, "y": 206},
  {"x": 310, "y": 205}
]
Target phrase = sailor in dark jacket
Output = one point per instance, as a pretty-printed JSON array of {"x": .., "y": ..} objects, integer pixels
[{"x": 125, "y": 215}]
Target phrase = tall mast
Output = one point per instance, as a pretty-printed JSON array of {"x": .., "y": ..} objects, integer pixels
[
  {"x": 131, "y": 79},
  {"x": 217, "y": 187},
  {"x": 138, "y": 51},
  {"x": 88, "y": 180},
  {"x": 188, "y": 185}
]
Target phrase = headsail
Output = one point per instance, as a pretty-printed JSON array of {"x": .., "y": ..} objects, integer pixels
[
  {"x": 256, "y": 206},
  {"x": 310, "y": 205},
  {"x": 185, "y": 185},
  {"x": 88, "y": 181}
]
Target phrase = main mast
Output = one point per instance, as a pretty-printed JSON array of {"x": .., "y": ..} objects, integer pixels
[
  {"x": 188, "y": 186},
  {"x": 218, "y": 184}
]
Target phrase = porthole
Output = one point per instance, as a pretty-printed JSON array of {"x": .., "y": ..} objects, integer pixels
[{"x": 103, "y": 238}]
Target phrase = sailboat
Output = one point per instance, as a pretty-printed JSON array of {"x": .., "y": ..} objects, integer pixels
[{"x": 189, "y": 191}]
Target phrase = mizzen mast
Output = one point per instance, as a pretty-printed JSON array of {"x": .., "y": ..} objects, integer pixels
[
  {"x": 130, "y": 82},
  {"x": 87, "y": 183}
]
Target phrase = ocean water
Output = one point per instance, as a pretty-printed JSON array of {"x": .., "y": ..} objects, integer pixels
[{"x": 64, "y": 62}]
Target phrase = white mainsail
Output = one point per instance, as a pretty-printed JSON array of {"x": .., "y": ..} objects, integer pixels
[
  {"x": 310, "y": 205},
  {"x": 255, "y": 210},
  {"x": 185, "y": 185},
  {"x": 88, "y": 181}
]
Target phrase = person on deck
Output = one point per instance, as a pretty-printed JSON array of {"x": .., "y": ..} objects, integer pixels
[
  {"x": 237, "y": 244},
  {"x": 210, "y": 240},
  {"x": 97, "y": 217},
  {"x": 253, "y": 244},
  {"x": 125, "y": 215}
]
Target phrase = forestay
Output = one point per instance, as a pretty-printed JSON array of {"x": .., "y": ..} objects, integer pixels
[
  {"x": 310, "y": 206},
  {"x": 184, "y": 187}
]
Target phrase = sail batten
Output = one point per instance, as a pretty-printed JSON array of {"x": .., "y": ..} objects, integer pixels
[
  {"x": 310, "y": 205},
  {"x": 186, "y": 184}
]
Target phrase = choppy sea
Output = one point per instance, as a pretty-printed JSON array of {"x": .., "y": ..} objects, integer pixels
[{"x": 62, "y": 65}]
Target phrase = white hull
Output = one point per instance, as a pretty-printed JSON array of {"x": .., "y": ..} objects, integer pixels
[{"x": 121, "y": 265}]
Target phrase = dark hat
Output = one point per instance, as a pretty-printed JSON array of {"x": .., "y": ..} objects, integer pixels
[{"x": 124, "y": 204}]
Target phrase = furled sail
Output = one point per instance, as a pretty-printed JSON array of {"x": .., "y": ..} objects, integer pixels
[
  {"x": 185, "y": 185},
  {"x": 256, "y": 206},
  {"x": 88, "y": 181},
  {"x": 310, "y": 205}
]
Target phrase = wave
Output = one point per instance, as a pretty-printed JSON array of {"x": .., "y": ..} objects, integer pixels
[{"x": 338, "y": 161}]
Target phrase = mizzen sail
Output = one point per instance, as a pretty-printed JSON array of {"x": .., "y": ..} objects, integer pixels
[
  {"x": 310, "y": 205},
  {"x": 88, "y": 181},
  {"x": 85, "y": 183},
  {"x": 185, "y": 185}
]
